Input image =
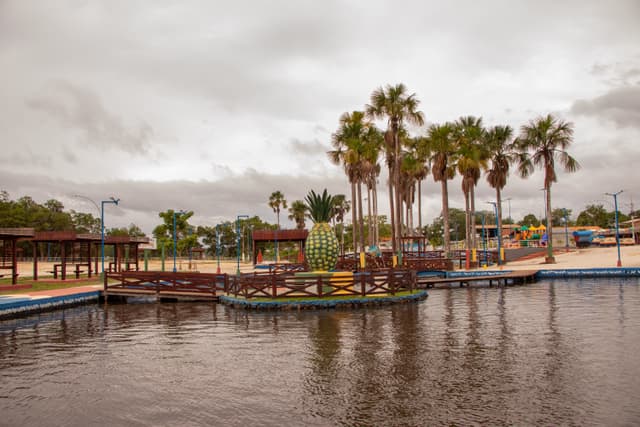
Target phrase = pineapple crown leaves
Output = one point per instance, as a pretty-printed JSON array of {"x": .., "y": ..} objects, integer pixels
[{"x": 320, "y": 206}]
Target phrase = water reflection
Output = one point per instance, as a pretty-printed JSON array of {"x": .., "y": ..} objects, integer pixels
[{"x": 551, "y": 353}]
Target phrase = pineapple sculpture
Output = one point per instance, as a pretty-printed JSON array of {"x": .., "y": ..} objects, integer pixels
[{"x": 322, "y": 244}]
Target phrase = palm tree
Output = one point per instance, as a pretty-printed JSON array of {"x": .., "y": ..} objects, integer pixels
[
  {"x": 356, "y": 147},
  {"x": 546, "y": 139},
  {"x": 298, "y": 213},
  {"x": 340, "y": 206},
  {"x": 276, "y": 201},
  {"x": 398, "y": 107},
  {"x": 469, "y": 134},
  {"x": 502, "y": 154},
  {"x": 443, "y": 166}
]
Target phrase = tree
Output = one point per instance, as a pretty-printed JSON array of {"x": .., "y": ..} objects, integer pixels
[
  {"x": 164, "y": 232},
  {"x": 530, "y": 220},
  {"x": 277, "y": 201},
  {"x": 594, "y": 215},
  {"x": 472, "y": 158},
  {"x": 398, "y": 107},
  {"x": 298, "y": 213},
  {"x": 339, "y": 208},
  {"x": 546, "y": 139},
  {"x": 356, "y": 146},
  {"x": 443, "y": 166},
  {"x": 558, "y": 216},
  {"x": 502, "y": 153},
  {"x": 85, "y": 222}
]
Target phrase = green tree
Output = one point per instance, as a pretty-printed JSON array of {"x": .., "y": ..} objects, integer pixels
[
  {"x": 547, "y": 140},
  {"x": 594, "y": 215},
  {"x": 530, "y": 220},
  {"x": 277, "y": 201},
  {"x": 444, "y": 154},
  {"x": 558, "y": 217},
  {"x": 398, "y": 107},
  {"x": 502, "y": 154},
  {"x": 472, "y": 158},
  {"x": 298, "y": 213},
  {"x": 163, "y": 233}
]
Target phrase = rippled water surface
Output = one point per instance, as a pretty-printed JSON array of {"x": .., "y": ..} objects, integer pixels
[{"x": 555, "y": 352}]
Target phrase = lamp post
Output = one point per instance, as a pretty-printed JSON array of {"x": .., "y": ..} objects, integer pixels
[
  {"x": 615, "y": 203},
  {"x": 218, "y": 247},
  {"x": 238, "y": 242},
  {"x": 181, "y": 212},
  {"x": 509, "y": 201},
  {"x": 566, "y": 229},
  {"x": 484, "y": 241},
  {"x": 499, "y": 232},
  {"x": 115, "y": 202}
]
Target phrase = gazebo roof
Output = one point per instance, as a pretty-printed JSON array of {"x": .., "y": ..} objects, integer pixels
[
  {"x": 282, "y": 235},
  {"x": 124, "y": 240},
  {"x": 16, "y": 233},
  {"x": 64, "y": 236}
]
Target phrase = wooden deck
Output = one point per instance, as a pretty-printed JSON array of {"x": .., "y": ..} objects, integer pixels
[{"x": 506, "y": 279}]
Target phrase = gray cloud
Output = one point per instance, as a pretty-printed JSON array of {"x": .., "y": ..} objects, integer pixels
[
  {"x": 82, "y": 110},
  {"x": 620, "y": 105}
]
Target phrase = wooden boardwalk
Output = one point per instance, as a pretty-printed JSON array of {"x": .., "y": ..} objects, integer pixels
[{"x": 504, "y": 279}]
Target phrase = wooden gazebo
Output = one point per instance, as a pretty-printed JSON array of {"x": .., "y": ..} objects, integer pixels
[
  {"x": 75, "y": 249},
  {"x": 10, "y": 237},
  {"x": 120, "y": 259},
  {"x": 263, "y": 236}
]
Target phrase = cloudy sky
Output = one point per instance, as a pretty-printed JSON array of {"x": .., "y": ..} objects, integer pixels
[{"x": 210, "y": 106}]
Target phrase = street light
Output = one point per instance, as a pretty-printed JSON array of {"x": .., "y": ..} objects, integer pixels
[
  {"x": 181, "y": 212},
  {"x": 218, "y": 247},
  {"x": 499, "y": 232},
  {"x": 509, "y": 200},
  {"x": 238, "y": 242},
  {"x": 615, "y": 202},
  {"x": 115, "y": 202},
  {"x": 566, "y": 230}
]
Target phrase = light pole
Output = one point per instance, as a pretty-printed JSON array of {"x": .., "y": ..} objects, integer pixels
[
  {"x": 566, "y": 230},
  {"x": 238, "y": 242},
  {"x": 615, "y": 203},
  {"x": 181, "y": 212},
  {"x": 499, "y": 232},
  {"x": 509, "y": 201},
  {"x": 218, "y": 247},
  {"x": 115, "y": 202}
]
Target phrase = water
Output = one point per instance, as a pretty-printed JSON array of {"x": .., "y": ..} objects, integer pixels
[{"x": 551, "y": 353}]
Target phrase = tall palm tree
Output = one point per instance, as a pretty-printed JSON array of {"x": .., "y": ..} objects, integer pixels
[
  {"x": 503, "y": 153},
  {"x": 443, "y": 166},
  {"x": 340, "y": 206},
  {"x": 355, "y": 146},
  {"x": 277, "y": 201},
  {"x": 398, "y": 107},
  {"x": 298, "y": 213},
  {"x": 469, "y": 134},
  {"x": 546, "y": 140},
  {"x": 422, "y": 152}
]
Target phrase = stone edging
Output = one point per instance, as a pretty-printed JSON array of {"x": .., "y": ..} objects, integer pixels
[
  {"x": 17, "y": 308},
  {"x": 320, "y": 303}
]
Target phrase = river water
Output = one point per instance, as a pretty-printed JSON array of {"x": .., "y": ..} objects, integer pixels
[{"x": 562, "y": 352}]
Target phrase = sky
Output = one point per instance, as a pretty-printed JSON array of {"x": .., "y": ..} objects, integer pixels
[{"x": 211, "y": 106}]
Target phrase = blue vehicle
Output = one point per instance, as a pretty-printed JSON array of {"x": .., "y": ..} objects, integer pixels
[{"x": 583, "y": 238}]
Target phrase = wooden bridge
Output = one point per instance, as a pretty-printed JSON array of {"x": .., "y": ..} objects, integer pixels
[
  {"x": 208, "y": 286},
  {"x": 504, "y": 279}
]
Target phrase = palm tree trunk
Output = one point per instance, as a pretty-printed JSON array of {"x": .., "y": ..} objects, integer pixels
[
  {"x": 472, "y": 202},
  {"x": 467, "y": 221},
  {"x": 369, "y": 216},
  {"x": 376, "y": 230},
  {"x": 420, "y": 205},
  {"x": 398, "y": 187},
  {"x": 360, "y": 218},
  {"x": 354, "y": 221},
  {"x": 550, "y": 259},
  {"x": 445, "y": 216},
  {"x": 394, "y": 246},
  {"x": 499, "y": 209}
]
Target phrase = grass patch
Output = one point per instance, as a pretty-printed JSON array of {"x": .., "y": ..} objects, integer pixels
[{"x": 331, "y": 298}]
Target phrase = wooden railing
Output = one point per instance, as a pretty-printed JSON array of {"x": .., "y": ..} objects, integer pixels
[
  {"x": 432, "y": 260},
  {"x": 163, "y": 281},
  {"x": 288, "y": 285},
  {"x": 284, "y": 267}
]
